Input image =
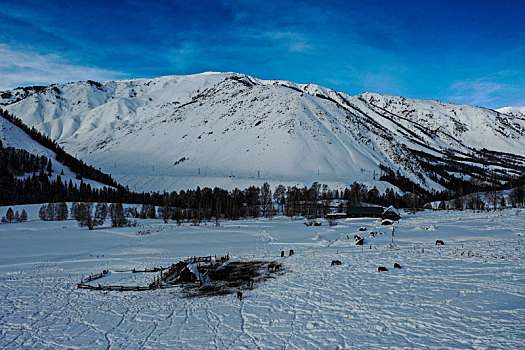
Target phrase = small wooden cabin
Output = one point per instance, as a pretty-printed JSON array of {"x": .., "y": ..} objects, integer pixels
[{"x": 391, "y": 213}]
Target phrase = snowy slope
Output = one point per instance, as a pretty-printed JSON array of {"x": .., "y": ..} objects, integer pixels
[
  {"x": 181, "y": 131},
  {"x": 518, "y": 112},
  {"x": 12, "y": 136},
  {"x": 459, "y": 125}
]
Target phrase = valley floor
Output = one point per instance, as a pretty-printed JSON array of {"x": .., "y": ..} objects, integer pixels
[{"x": 469, "y": 293}]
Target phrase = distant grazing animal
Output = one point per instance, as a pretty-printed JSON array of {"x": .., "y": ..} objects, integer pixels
[
  {"x": 271, "y": 266},
  {"x": 381, "y": 268},
  {"x": 336, "y": 262},
  {"x": 291, "y": 252},
  {"x": 277, "y": 267},
  {"x": 362, "y": 228},
  {"x": 397, "y": 266},
  {"x": 239, "y": 295},
  {"x": 440, "y": 242}
]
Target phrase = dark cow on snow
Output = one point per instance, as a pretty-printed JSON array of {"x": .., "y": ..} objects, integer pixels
[
  {"x": 440, "y": 242},
  {"x": 381, "y": 268},
  {"x": 336, "y": 262}
]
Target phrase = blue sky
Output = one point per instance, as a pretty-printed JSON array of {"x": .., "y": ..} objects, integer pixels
[{"x": 460, "y": 51}]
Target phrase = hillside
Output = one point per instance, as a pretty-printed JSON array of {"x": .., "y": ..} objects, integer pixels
[
  {"x": 232, "y": 130},
  {"x": 12, "y": 136}
]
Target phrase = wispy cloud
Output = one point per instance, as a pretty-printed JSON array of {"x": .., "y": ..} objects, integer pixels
[
  {"x": 24, "y": 67},
  {"x": 292, "y": 41},
  {"x": 479, "y": 92}
]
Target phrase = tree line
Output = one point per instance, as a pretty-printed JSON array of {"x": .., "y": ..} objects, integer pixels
[{"x": 26, "y": 178}]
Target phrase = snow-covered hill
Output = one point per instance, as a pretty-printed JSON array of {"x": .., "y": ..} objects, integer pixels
[
  {"x": 12, "y": 136},
  {"x": 231, "y": 130},
  {"x": 518, "y": 112}
]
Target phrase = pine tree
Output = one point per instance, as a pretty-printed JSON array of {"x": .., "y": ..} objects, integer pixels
[
  {"x": 17, "y": 216},
  {"x": 49, "y": 168},
  {"x": 23, "y": 216},
  {"x": 9, "y": 215}
]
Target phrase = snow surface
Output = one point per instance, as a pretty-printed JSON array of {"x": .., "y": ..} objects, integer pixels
[
  {"x": 469, "y": 293},
  {"x": 175, "y": 132}
]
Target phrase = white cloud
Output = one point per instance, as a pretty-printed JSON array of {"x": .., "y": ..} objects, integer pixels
[
  {"x": 478, "y": 92},
  {"x": 24, "y": 67}
]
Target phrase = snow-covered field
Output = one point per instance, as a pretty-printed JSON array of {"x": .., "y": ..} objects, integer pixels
[{"x": 469, "y": 293}]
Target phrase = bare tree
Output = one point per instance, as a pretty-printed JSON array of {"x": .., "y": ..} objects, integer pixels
[
  {"x": 61, "y": 211},
  {"x": 84, "y": 216},
  {"x": 279, "y": 196},
  {"x": 101, "y": 212},
  {"x": 43, "y": 213},
  {"x": 116, "y": 213},
  {"x": 266, "y": 198}
]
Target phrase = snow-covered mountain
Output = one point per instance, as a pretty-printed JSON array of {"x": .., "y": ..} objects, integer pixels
[
  {"x": 12, "y": 136},
  {"x": 518, "y": 112},
  {"x": 232, "y": 130}
]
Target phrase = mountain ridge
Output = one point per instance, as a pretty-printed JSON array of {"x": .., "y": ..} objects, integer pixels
[{"x": 208, "y": 128}]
